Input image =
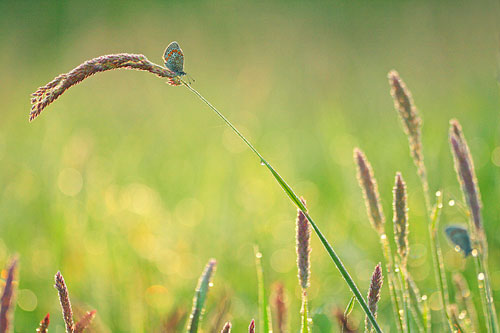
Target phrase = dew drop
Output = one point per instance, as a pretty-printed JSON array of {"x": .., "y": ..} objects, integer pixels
[
  {"x": 451, "y": 203},
  {"x": 262, "y": 163},
  {"x": 440, "y": 205},
  {"x": 211, "y": 284},
  {"x": 424, "y": 297},
  {"x": 383, "y": 236},
  {"x": 258, "y": 255},
  {"x": 480, "y": 276},
  {"x": 438, "y": 193},
  {"x": 474, "y": 253}
]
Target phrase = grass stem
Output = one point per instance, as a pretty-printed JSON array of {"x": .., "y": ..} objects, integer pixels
[{"x": 295, "y": 199}]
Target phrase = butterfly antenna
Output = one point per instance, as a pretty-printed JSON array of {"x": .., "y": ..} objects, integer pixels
[{"x": 190, "y": 78}]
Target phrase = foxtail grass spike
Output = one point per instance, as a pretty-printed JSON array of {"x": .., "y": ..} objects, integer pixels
[
  {"x": 200, "y": 296},
  {"x": 51, "y": 91},
  {"x": 464, "y": 167},
  {"x": 374, "y": 294},
  {"x": 280, "y": 307},
  {"x": 251, "y": 327},
  {"x": 226, "y": 328},
  {"x": 303, "y": 247},
  {"x": 44, "y": 325},
  {"x": 85, "y": 321},
  {"x": 369, "y": 187},
  {"x": 7, "y": 299},
  {"x": 401, "y": 218},
  {"x": 412, "y": 125},
  {"x": 65, "y": 303}
]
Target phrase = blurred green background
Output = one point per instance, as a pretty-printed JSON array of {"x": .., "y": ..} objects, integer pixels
[{"x": 128, "y": 185}]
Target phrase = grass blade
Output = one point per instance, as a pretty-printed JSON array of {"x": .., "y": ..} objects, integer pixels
[
  {"x": 264, "y": 311},
  {"x": 200, "y": 296}
]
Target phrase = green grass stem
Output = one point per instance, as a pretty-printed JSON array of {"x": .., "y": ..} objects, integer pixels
[
  {"x": 264, "y": 310},
  {"x": 295, "y": 199}
]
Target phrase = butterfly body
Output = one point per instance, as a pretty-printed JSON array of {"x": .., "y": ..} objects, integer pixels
[
  {"x": 174, "y": 59},
  {"x": 459, "y": 236}
]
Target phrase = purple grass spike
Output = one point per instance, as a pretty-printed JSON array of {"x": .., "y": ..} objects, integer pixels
[
  {"x": 401, "y": 218},
  {"x": 374, "y": 293},
  {"x": 44, "y": 325},
  {"x": 65, "y": 303},
  {"x": 303, "y": 248},
  {"x": 226, "y": 328},
  {"x": 466, "y": 175},
  {"x": 369, "y": 187},
  {"x": 85, "y": 321},
  {"x": 251, "y": 328}
]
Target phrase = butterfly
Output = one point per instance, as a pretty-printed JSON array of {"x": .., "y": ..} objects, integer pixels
[
  {"x": 459, "y": 236},
  {"x": 174, "y": 60}
]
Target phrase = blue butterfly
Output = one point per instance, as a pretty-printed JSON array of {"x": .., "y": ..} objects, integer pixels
[
  {"x": 174, "y": 59},
  {"x": 459, "y": 236}
]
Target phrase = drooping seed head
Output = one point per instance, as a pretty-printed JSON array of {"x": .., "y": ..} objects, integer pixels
[
  {"x": 51, "y": 91},
  {"x": 368, "y": 185}
]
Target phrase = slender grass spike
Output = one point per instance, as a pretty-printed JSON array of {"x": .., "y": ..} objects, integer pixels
[{"x": 459, "y": 236}]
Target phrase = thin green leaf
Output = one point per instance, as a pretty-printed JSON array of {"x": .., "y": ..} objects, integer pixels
[
  {"x": 200, "y": 296},
  {"x": 349, "y": 307},
  {"x": 264, "y": 310}
]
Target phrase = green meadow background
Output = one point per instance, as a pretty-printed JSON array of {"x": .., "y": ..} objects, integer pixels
[{"x": 128, "y": 185}]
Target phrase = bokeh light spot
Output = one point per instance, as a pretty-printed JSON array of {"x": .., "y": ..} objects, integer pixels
[
  {"x": 70, "y": 182},
  {"x": 26, "y": 300}
]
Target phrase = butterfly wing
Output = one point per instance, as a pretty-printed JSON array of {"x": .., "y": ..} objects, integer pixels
[
  {"x": 174, "y": 58},
  {"x": 460, "y": 237}
]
